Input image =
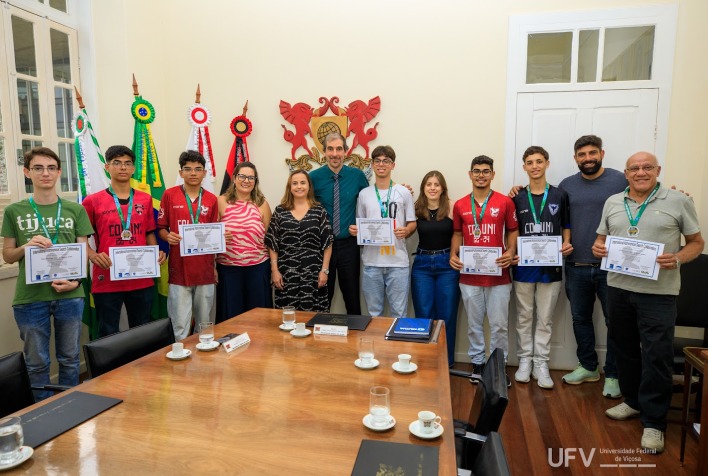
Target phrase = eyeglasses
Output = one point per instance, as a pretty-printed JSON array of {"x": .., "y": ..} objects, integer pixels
[
  {"x": 385, "y": 161},
  {"x": 644, "y": 168},
  {"x": 246, "y": 178},
  {"x": 122, "y": 165},
  {"x": 38, "y": 169},
  {"x": 482, "y": 172},
  {"x": 189, "y": 170}
]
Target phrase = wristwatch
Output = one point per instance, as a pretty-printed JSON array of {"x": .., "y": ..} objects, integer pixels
[
  {"x": 678, "y": 262},
  {"x": 325, "y": 271}
]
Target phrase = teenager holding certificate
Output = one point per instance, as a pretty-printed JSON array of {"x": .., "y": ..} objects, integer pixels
[
  {"x": 542, "y": 210},
  {"x": 485, "y": 218},
  {"x": 45, "y": 220},
  {"x": 121, "y": 216},
  {"x": 192, "y": 279},
  {"x": 642, "y": 311}
]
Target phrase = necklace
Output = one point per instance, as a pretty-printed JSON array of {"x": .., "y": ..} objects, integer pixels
[{"x": 433, "y": 213}]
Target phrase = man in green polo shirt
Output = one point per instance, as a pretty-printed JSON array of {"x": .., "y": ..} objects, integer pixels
[
  {"x": 44, "y": 220},
  {"x": 337, "y": 187}
]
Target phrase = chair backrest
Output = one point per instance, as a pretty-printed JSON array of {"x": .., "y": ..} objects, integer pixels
[
  {"x": 490, "y": 397},
  {"x": 491, "y": 460},
  {"x": 15, "y": 387},
  {"x": 110, "y": 352},
  {"x": 691, "y": 306}
]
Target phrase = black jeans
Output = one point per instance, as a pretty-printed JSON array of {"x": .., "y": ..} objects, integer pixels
[
  {"x": 138, "y": 306},
  {"x": 345, "y": 260},
  {"x": 642, "y": 326}
]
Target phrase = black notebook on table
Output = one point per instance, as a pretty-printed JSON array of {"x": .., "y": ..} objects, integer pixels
[
  {"x": 397, "y": 331},
  {"x": 357, "y": 323},
  {"x": 63, "y": 414},
  {"x": 383, "y": 457}
]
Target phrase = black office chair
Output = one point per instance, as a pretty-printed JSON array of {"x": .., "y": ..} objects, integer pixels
[
  {"x": 488, "y": 406},
  {"x": 691, "y": 307},
  {"x": 491, "y": 460},
  {"x": 110, "y": 352},
  {"x": 15, "y": 386}
]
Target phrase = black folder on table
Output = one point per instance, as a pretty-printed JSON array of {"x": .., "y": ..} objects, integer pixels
[
  {"x": 424, "y": 339},
  {"x": 63, "y": 414},
  {"x": 384, "y": 457},
  {"x": 357, "y": 323}
]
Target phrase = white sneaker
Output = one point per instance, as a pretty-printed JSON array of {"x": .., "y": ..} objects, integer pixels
[
  {"x": 622, "y": 412},
  {"x": 542, "y": 375},
  {"x": 653, "y": 440},
  {"x": 523, "y": 375}
]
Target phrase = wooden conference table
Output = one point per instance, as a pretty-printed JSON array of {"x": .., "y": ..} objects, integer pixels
[{"x": 280, "y": 405}]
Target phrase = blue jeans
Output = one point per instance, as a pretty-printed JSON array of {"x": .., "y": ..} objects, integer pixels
[
  {"x": 582, "y": 284},
  {"x": 34, "y": 322},
  {"x": 138, "y": 306},
  {"x": 436, "y": 294},
  {"x": 381, "y": 282},
  {"x": 644, "y": 324}
]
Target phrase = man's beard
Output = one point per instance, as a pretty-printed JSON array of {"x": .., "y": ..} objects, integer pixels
[{"x": 589, "y": 169}]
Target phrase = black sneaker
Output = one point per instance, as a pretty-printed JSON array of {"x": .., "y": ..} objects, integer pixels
[{"x": 476, "y": 372}]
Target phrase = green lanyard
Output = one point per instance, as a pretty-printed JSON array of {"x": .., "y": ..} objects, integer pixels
[
  {"x": 633, "y": 230},
  {"x": 126, "y": 233},
  {"x": 536, "y": 219},
  {"x": 384, "y": 210},
  {"x": 41, "y": 220},
  {"x": 477, "y": 231},
  {"x": 193, "y": 216}
]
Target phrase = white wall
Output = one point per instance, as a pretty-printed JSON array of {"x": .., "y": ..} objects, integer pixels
[{"x": 439, "y": 68}]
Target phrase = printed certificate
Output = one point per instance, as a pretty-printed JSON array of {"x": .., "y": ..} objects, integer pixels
[
  {"x": 134, "y": 262},
  {"x": 202, "y": 239},
  {"x": 633, "y": 257},
  {"x": 374, "y": 231},
  {"x": 539, "y": 250},
  {"x": 44, "y": 265},
  {"x": 480, "y": 260}
]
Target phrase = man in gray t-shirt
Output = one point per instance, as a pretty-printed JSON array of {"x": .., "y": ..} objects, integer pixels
[{"x": 584, "y": 280}]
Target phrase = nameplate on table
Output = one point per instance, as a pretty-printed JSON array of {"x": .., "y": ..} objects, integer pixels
[
  {"x": 324, "y": 329},
  {"x": 236, "y": 342},
  {"x": 58, "y": 416}
]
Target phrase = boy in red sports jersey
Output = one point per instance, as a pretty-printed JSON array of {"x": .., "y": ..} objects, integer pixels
[
  {"x": 121, "y": 216},
  {"x": 192, "y": 279}
]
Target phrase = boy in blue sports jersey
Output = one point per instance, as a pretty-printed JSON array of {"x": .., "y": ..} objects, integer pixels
[{"x": 542, "y": 210}]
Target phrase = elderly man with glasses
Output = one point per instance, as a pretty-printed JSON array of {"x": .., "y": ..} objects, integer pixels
[{"x": 642, "y": 312}]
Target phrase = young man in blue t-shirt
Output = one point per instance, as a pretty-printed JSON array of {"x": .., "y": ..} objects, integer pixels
[{"x": 542, "y": 210}]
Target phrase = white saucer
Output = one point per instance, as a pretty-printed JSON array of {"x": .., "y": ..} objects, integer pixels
[
  {"x": 370, "y": 425},
  {"x": 295, "y": 333},
  {"x": 25, "y": 454},
  {"x": 283, "y": 327},
  {"x": 374, "y": 362},
  {"x": 415, "y": 429},
  {"x": 213, "y": 345},
  {"x": 411, "y": 368},
  {"x": 186, "y": 354}
]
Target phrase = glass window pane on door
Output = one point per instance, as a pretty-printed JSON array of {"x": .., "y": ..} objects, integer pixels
[
  {"x": 629, "y": 53},
  {"x": 69, "y": 182},
  {"x": 63, "y": 100},
  {"x": 23, "y": 43},
  {"x": 28, "y": 103},
  {"x": 58, "y": 5},
  {"x": 587, "y": 55},
  {"x": 61, "y": 60},
  {"x": 549, "y": 57},
  {"x": 28, "y": 145},
  {"x": 4, "y": 186}
]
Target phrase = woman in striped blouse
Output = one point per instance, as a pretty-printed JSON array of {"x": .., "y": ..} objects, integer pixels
[{"x": 244, "y": 269}]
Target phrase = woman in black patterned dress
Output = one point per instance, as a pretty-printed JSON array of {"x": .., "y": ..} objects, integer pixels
[{"x": 299, "y": 241}]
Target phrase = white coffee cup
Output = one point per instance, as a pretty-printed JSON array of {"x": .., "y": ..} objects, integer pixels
[
  {"x": 428, "y": 421},
  {"x": 177, "y": 349},
  {"x": 404, "y": 361},
  {"x": 300, "y": 328}
]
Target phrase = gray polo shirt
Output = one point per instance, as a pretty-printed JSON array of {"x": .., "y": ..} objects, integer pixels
[{"x": 668, "y": 215}]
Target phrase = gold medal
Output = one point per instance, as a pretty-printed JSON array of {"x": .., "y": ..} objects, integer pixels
[
  {"x": 632, "y": 231},
  {"x": 126, "y": 235}
]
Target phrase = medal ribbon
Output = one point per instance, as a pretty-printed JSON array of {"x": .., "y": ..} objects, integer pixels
[
  {"x": 635, "y": 220},
  {"x": 384, "y": 210},
  {"x": 124, "y": 223},
  {"x": 41, "y": 220},
  {"x": 536, "y": 219},
  {"x": 481, "y": 212},
  {"x": 193, "y": 216}
]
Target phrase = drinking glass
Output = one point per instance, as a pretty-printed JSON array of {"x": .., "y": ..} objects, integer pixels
[
  {"x": 366, "y": 351},
  {"x": 379, "y": 405},
  {"x": 206, "y": 332},
  {"x": 11, "y": 439},
  {"x": 289, "y": 317}
]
